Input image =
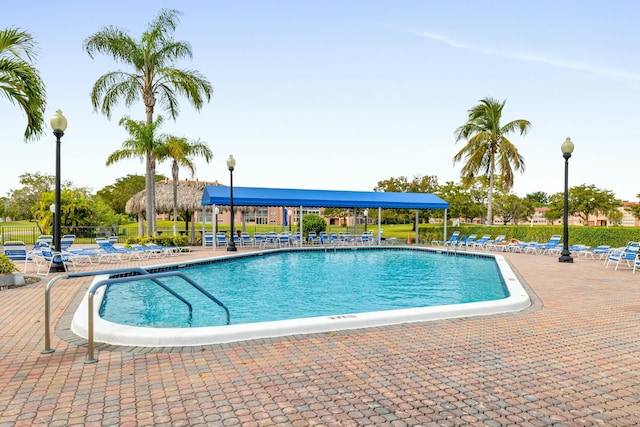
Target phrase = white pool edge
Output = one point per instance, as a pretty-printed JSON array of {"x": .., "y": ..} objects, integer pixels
[{"x": 123, "y": 335}]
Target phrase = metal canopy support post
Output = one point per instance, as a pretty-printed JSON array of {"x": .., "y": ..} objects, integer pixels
[
  {"x": 444, "y": 235},
  {"x": 204, "y": 223},
  {"x": 300, "y": 225},
  {"x": 379, "y": 226}
]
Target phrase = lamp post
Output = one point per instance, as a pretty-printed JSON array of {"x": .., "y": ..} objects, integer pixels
[
  {"x": 289, "y": 213},
  {"x": 231, "y": 164},
  {"x": 52, "y": 208},
  {"x": 59, "y": 125},
  {"x": 366, "y": 215},
  {"x": 567, "y": 149}
]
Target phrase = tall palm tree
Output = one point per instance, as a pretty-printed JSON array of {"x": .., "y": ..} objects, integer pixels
[
  {"x": 488, "y": 150},
  {"x": 144, "y": 145},
  {"x": 154, "y": 77},
  {"x": 20, "y": 82},
  {"x": 181, "y": 151}
]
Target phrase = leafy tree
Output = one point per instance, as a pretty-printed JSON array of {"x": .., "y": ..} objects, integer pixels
[
  {"x": 419, "y": 184},
  {"x": 181, "y": 151},
  {"x": 75, "y": 210},
  {"x": 556, "y": 207},
  {"x": 461, "y": 203},
  {"x": 314, "y": 223},
  {"x": 488, "y": 150},
  {"x": 154, "y": 78},
  {"x": 33, "y": 184},
  {"x": 512, "y": 208},
  {"x": 118, "y": 194},
  {"x": 538, "y": 198},
  {"x": 635, "y": 209},
  {"x": 588, "y": 200},
  {"x": 142, "y": 144},
  {"x": 20, "y": 82},
  {"x": 5, "y": 207},
  {"x": 614, "y": 217},
  {"x": 584, "y": 201}
]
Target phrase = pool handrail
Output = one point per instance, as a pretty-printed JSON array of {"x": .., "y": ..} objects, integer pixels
[
  {"x": 47, "y": 296},
  {"x": 150, "y": 276},
  {"x": 142, "y": 275}
]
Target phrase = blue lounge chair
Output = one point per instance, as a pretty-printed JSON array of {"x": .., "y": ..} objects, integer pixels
[
  {"x": 221, "y": 239},
  {"x": 44, "y": 258},
  {"x": 628, "y": 256},
  {"x": 497, "y": 243},
  {"x": 481, "y": 242},
  {"x": 246, "y": 239},
  {"x": 66, "y": 241},
  {"x": 551, "y": 247},
  {"x": 17, "y": 251},
  {"x": 453, "y": 240}
]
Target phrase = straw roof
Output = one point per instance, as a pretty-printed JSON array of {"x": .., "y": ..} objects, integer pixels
[{"x": 189, "y": 197}]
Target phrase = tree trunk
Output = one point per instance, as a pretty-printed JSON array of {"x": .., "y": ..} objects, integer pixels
[{"x": 150, "y": 193}]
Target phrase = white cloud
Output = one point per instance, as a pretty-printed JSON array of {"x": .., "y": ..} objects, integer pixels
[{"x": 540, "y": 59}]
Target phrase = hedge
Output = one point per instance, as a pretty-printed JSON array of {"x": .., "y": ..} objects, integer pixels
[{"x": 590, "y": 236}]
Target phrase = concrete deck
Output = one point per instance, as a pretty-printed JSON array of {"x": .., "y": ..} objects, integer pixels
[{"x": 572, "y": 358}]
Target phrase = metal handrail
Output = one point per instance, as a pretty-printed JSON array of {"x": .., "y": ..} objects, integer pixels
[
  {"x": 142, "y": 275},
  {"x": 47, "y": 296},
  {"x": 151, "y": 276}
]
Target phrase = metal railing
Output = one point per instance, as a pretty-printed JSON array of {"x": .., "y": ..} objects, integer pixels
[{"x": 142, "y": 274}]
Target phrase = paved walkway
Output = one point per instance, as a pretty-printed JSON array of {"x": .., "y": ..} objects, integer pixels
[{"x": 571, "y": 359}]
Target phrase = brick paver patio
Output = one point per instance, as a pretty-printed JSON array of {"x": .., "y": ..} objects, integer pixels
[{"x": 571, "y": 359}]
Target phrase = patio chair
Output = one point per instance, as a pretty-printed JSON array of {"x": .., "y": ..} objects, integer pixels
[
  {"x": 496, "y": 243},
  {"x": 66, "y": 241},
  {"x": 550, "y": 248},
  {"x": 481, "y": 242},
  {"x": 44, "y": 258},
  {"x": 628, "y": 256},
  {"x": 246, "y": 239},
  {"x": 312, "y": 239},
  {"x": 221, "y": 239},
  {"x": 17, "y": 251},
  {"x": 453, "y": 240}
]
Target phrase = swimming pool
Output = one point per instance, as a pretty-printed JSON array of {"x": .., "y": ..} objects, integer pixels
[{"x": 401, "y": 295}]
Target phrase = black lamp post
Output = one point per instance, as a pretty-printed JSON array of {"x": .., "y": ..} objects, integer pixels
[
  {"x": 59, "y": 125},
  {"x": 366, "y": 219},
  {"x": 231, "y": 163},
  {"x": 567, "y": 149}
]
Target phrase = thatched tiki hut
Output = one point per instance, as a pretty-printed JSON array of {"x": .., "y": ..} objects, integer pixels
[{"x": 189, "y": 201}]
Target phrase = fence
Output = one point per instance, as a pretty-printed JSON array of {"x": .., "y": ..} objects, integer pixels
[{"x": 28, "y": 235}]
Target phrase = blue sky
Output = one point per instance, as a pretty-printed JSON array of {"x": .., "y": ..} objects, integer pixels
[{"x": 342, "y": 94}]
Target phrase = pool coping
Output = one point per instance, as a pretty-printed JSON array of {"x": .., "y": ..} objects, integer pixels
[{"x": 114, "y": 336}]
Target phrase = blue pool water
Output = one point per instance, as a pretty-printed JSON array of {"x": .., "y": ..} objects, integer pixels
[{"x": 293, "y": 285}]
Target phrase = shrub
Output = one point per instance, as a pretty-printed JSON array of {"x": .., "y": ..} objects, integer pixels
[
  {"x": 160, "y": 240},
  {"x": 590, "y": 236},
  {"x": 6, "y": 265},
  {"x": 313, "y": 223}
]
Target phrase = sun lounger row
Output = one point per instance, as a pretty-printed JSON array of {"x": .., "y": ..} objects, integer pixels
[{"x": 287, "y": 239}]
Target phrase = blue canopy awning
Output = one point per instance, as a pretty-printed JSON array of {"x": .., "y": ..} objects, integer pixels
[{"x": 252, "y": 196}]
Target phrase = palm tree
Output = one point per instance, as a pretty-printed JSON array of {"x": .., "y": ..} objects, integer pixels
[
  {"x": 488, "y": 150},
  {"x": 20, "y": 82},
  {"x": 144, "y": 145},
  {"x": 154, "y": 78},
  {"x": 181, "y": 151}
]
